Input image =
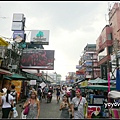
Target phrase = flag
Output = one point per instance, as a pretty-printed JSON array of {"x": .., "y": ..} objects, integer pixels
[{"x": 118, "y": 80}]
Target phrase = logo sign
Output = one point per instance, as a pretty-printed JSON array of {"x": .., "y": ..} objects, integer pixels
[{"x": 40, "y": 37}]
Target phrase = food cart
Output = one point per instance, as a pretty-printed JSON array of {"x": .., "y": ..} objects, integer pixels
[{"x": 96, "y": 108}]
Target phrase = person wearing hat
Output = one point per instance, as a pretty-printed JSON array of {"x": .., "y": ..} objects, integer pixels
[
  {"x": 79, "y": 104},
  {"x": 6, "y": 101}
]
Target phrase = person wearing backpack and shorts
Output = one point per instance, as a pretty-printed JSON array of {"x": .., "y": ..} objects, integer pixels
[
  {"x": 39, "y": 93},
  {"x": 13, "y": 92}
]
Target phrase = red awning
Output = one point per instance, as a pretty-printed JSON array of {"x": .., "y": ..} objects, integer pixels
[{"x": 2, "y": 71}]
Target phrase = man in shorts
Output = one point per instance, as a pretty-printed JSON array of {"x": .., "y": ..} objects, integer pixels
[
  {"x": 58, "y": 90},
  {"x": 79, "y": 104}
]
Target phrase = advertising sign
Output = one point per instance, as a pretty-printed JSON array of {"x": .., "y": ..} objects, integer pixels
[
  {"x": 18, "y": 36},
  {"x": 78, "y": 67},
  {"x": 17, "y": 26},
  {"x": 42, "y": 85},
  {"x": 40, "y": 37},
  {"x": 37, "y": 59},
  {"x": 32, "y": 82},
  {"x": 17, "y": 17}
]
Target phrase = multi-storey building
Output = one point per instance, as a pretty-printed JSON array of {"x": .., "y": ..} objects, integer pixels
[
  {"x": 89, "y": 62},
  {"x": 107, "y": 43}
]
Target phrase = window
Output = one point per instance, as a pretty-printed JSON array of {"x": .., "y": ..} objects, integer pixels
[{"x": 110, "y": 36}]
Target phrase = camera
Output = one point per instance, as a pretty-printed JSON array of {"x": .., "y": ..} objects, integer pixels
[{"x": 75, "y": 108}]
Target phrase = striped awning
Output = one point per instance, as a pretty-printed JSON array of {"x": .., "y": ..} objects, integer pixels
[{"x": 2, "y": 71}]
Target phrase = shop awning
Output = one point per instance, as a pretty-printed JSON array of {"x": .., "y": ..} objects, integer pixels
[
  {"x": 8, "y": 78},
  {"x": 2, "y": 71},
  {"x": 16, "y": 76}
]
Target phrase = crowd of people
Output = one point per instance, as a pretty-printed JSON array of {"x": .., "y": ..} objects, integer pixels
[{"x": 71, "y": 106}]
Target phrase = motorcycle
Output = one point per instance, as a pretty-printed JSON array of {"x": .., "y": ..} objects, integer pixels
[{"x": 49, "y": 97}]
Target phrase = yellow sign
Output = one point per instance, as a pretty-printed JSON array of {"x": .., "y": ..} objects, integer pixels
[
  {"x": 17, "y": 84},
  {"x": 84, "y": 83},
  {"x": 3, "y": 42}
]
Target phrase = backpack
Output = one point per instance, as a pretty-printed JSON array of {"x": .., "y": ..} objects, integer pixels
[{"x": 39, "y": 91}]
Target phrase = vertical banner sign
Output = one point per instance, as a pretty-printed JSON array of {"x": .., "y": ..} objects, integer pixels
[
  {"x": 104, "y": 72},
  {"x": 118, "y": 80},
  {"x": 109, "y": 82}
]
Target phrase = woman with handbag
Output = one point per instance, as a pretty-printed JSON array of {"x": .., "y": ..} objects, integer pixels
[
  {"x": 33, "y": 104},
  {"x": 7, "y": 103}
]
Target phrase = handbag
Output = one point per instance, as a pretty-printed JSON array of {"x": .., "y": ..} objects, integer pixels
[
  {"x": 26, "y": 110},
  {"x": 15, "y": 113}
]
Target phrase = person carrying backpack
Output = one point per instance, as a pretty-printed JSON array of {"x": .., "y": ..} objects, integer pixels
[{"x": 39, "y": 92}]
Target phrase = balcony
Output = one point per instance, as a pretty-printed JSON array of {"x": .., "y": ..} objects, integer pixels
[
  {"x": 105, "y": 59},
  {"x": 104, "y": 45}
]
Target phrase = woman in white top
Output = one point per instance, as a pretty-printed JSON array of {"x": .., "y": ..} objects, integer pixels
[
  {"x": 6, "y": 101},
  {"x": 63, "y": 91}
]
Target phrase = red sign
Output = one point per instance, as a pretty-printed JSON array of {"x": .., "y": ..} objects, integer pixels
[
  {"x": 93, "y": 109},
  {"x": 37, "y": 59}
]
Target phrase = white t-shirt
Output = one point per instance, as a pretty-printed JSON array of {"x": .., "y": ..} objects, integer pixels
[{"x": 7, "y": 104}]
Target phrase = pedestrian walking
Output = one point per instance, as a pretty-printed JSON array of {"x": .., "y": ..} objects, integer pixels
[
  {"x": 65, "y": 107},
  {"x": 63, "y": 91},
  {"x": 72, "y": 93},
  {"x": 39, "y": 93},
  {"x": 58, "y": 91},
  {"x": 45, "y": 91},
  {"x": 34, "y": 106},
  {"x": 79, "y": 104},
  {"x": 13, "y": 92},
  {"x": 6, "y": 101},
  {"x": 30, "y": 90}
]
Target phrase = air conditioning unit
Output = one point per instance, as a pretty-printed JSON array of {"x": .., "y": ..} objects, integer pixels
[
  {"x": 12, "y": 67},
  {"x": 9, "y": 66}
]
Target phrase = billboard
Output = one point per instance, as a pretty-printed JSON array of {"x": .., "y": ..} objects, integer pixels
[
  {"x": 37, "y": 59},
  {"x": 40, "y": 37}
]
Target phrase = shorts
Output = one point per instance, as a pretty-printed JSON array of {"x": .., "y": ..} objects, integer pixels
[{"x": 58, "y": 94}]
